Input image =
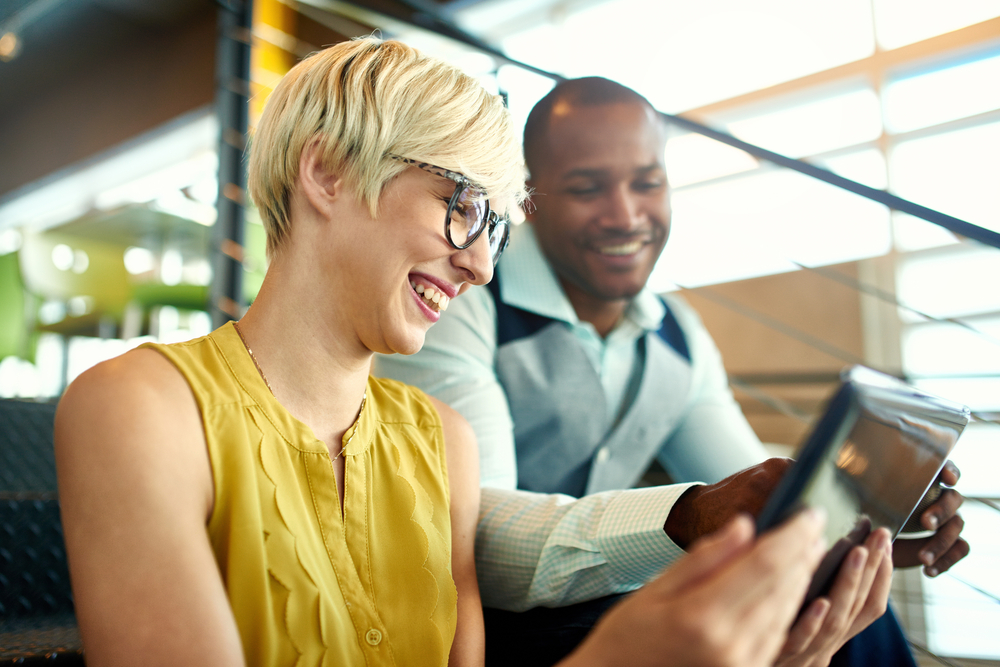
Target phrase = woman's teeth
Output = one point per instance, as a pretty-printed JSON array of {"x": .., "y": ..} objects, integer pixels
[
  {"x": 434, "y": 299},
  {"x": 623, "y": 249}
]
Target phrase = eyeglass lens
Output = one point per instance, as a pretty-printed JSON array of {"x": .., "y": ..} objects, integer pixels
[
  {"x": 468, "y": 215},
  {"x": 499, "y": 235}
]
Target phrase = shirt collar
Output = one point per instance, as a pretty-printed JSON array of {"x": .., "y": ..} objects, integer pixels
[{"x": 528, "y": 282}]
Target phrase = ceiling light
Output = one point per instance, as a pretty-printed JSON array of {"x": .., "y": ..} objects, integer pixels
[{"x": 10, "y": 46}]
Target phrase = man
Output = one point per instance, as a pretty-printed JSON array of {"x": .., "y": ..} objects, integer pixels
[{"x": 568, "y": 355}]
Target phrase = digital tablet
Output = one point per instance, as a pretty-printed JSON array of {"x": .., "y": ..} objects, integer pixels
[{"x": 868, "y": 462}]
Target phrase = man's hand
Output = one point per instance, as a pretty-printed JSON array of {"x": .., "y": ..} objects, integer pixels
[
  {"x": 945, "y": 547},
  {"x": 705, "y": 509},
  {"x": 859, "y": 596}
]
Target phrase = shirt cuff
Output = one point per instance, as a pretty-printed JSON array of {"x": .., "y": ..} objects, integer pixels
[{"x": 631, "y": 535}]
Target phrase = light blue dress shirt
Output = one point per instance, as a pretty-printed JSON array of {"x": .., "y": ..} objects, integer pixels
[{"x": 537, "y": 549}]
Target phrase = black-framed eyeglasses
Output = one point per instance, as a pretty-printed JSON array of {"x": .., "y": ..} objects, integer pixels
[{"x": 468, "y": 212}]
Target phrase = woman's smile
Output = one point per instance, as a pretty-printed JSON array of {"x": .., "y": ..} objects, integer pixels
[{"x": 432, "y": 295}]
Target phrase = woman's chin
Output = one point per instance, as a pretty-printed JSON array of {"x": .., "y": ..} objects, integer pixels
[{"x": 409, "y": 344}]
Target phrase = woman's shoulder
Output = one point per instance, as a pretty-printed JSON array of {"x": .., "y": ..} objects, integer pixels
[
  {"x": 207, "y": 365},
  {"x": 140, "y": 378},
  {"x": 400, "y": 402},
  {"x": 126, "y": 417}
]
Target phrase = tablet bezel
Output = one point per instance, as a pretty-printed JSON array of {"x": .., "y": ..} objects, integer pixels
[{"x": 858, "y": 385}]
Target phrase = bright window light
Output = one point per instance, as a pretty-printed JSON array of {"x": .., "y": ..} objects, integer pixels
[
  {"x": 947, "y": 349},
  {"x": 525, "y": 89},
  {"x": 962, "y": 622},
  {"x": 692, "y": 158},
  {"x": 942, "y": 95},
  {"x": 18, "y": 378},
  {"x": 866, "y": 167},
  {"x": 10, "y": 241},
  {"x": 980, "y": 394},
  {"x": 955, "y": 172},
  {"x": 62, "y": 257},
  {"x": 171, "y": 266},
  {"x": 955, "y": 283},
  {"x": 912, "y": 233},
  {"x": 138, "y": 260},
  {"x": 977, "y": 455},
  {"x": 764, "y": 223},
  {"x": 703, "y": 51},
  {"x": 816, "y": 126},
  {"x": 87, "y": 352},
  {"x": 900, "y": 22}
]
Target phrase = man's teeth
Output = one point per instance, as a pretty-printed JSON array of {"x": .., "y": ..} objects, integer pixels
[
  {"x": 623, "y": 249},
  {"x": 434, "y": 298}
]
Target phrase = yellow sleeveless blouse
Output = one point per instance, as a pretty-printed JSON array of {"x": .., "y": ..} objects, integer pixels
[{"x": 306, "y": 586}]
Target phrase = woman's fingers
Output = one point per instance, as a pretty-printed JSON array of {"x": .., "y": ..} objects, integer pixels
[
  {"x": 876, "y": 598},
  {"x": 804, "y": 632},
  {"x": 878, "y": 544},
  {"x": 707, "y": 555},
  {"x": 774, "y": 580}
]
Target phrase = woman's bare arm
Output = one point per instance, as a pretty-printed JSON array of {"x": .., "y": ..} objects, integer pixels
[
  {"x": 463, "y": 478},
  {"x": 136, "y": 490}
]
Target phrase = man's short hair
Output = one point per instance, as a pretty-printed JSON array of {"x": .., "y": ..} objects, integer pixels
[
  {"x": 587, "y": 91},
  {"x": 365, "y": 99}
]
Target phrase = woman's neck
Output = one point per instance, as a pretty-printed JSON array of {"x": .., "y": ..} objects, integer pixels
[{"x": 312, "y": 359}]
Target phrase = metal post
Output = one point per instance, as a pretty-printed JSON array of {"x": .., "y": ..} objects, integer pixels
[{"x": 232, "y": 94}]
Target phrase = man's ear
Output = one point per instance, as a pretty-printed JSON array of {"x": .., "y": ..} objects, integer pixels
[{"x": 320, "y": 184}]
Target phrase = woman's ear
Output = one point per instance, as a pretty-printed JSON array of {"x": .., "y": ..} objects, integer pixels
[{"x": 320, "y": 184}]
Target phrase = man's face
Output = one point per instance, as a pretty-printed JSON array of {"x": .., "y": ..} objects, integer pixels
[{"x": 601, "y": 202}]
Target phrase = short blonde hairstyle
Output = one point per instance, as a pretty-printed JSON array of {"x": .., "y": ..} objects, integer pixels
[{"x": 366, "y": 99}]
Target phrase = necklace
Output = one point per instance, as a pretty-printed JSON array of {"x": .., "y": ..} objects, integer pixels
[
  {"x": 364, "y": 396},
  {"x": 253, "y": 358}
]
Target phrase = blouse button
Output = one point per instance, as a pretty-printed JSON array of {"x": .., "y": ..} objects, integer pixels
[{"x": 373, "y": 637}]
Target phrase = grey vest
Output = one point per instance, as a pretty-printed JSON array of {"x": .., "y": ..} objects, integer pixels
[{"x": 566, "y": 437}]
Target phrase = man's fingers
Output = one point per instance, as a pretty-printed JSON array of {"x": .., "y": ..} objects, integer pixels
[
  {"x": 943, "y": 510},
  {"x": 959, "y": 550},
  {"x": 941, "y": 542},
  {"x": 950, "y": 474}
]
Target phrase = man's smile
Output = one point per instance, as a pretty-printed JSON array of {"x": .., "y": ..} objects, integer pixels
[{"x": 629, "y": 248}]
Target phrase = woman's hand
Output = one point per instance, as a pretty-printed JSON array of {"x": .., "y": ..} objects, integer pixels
[
  {"x": 729, "y": 602},
  {"x": 858, "y": 597}
]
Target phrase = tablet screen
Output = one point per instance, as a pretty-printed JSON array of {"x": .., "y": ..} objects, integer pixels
[{"x": 868, "y": 462}]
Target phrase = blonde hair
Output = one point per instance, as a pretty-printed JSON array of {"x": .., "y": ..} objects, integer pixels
[{"x": 366, "y": 99}]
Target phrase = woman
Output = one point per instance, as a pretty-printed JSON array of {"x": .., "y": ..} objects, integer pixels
[{"x": 254, "y": 497}]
